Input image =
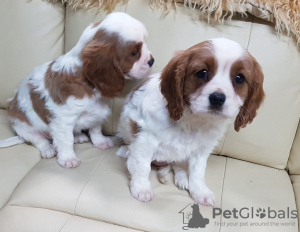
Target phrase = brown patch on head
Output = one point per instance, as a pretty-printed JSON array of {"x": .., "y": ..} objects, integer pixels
[
  {"x": 241, "y": 67},
  {"x": 179, "y": 78},
  {"x": 15, "y": 112},
  {"x": 106, "y": 58},
  {"x": 134, "y": 128},
  {"x": 39, "y": 105},
  {"x": 61, "y": 85},
  {"x": 251, "y": 90}
]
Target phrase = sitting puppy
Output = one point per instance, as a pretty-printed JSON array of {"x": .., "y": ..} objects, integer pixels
[
  {"x": 179, "y": 115},
  {"x": 59, "y": 99}
]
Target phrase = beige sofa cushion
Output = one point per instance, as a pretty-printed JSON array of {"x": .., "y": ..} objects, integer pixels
[
  {"x": 31, "y": 34},
  {"x": 250, "y": 185},
  {"x": 47, "y": 195},
  {"x": 26, "y": 219},
  {"x": 98, "y": 189},
  {"x": 15, "y": 162}
]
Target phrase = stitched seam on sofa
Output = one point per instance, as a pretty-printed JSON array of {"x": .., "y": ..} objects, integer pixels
[
  {"x": 250, "y": 33},
  {"x": 35, "y": 207},
  {"x": 290, "y": 148},
  {"x": 290, "y": 152},
  {"x": 220, "y": 153},
  {"x": 66, "y": 222},
  {"x": 71, "y": 216},
  {"x": 90, "y": 219},
  {"x": 223, "y": 191},
  {"x": 126, "y": 7},
  {"x": 88, "y": 179}
]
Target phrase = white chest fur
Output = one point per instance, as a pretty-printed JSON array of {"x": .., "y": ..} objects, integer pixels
[{"x": 178, "y": 143}]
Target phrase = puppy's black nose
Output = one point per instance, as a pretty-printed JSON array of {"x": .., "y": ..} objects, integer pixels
[
  {"x": 151, "y": 62},
  {"x": 217, "y": 99}
]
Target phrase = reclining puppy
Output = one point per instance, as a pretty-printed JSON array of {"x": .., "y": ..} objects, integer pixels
[
  {"x": 59, "y": 99},
  {"x": 179, "y": 115}
]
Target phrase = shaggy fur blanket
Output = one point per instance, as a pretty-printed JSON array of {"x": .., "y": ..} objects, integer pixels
[{"x": 284, "y": 13}]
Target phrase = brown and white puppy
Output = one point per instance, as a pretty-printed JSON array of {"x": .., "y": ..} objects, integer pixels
[
  {"x": 179, "y": 115},
  {"x": 59, "y": 99}
]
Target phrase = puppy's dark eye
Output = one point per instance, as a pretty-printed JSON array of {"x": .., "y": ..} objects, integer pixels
[
  {"x": 134, "y": 53},
  {"x": 203, "y": 74},
  {"x": 239, "y": 79}
]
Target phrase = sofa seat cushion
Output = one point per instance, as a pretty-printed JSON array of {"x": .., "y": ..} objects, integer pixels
[
  {"x": 98, "y": 190},
  {"x": 15, "y": 162},
  {"x": 36, "y": 220}
]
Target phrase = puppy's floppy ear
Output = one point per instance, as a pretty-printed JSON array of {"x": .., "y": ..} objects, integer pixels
[
  {"x": 101, "y": 68},
  {"x": 172, "y": 80},
  {"x": 254, "y": 98}
]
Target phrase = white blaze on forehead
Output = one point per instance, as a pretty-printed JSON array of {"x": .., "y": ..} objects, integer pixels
[
  {"x": 126, "y": 26},
  {"x": 227, "y": 51}
]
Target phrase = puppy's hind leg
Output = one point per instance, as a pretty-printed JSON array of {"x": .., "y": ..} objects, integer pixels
[
  {"x": 80, "y": 137},
  {"x": 38, "y": 139},
  {"x": 162, "y": 172},
  {"x": 181, "y": 174},
  {"x": 99, "y": 140},
  {"x": 123, "y": 152}
]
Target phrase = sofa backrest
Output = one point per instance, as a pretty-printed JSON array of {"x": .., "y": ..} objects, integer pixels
[
  {"x": 267, "y": 141},
  {"x": 31, "y": 34}
]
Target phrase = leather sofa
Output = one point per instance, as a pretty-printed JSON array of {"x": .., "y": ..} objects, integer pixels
[{"x": 254, "y": 174}]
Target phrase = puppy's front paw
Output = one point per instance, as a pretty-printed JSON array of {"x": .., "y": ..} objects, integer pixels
[
  {"x": 204, "y": 197},
  {"x": 48, "y": 151},
  {"x": 104, "y": 144},
  {"x": 142, "y": 192},
  {"x": 69, "y": 163}
]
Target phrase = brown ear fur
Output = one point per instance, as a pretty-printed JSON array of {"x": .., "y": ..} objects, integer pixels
[
  {"x": 254, "y": 99},
  {"x": 101, "y": 68},
  {"x": 172, "y": 80}
]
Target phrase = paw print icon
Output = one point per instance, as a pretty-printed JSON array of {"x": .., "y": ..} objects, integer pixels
[{"x": 261, "y": 213}]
